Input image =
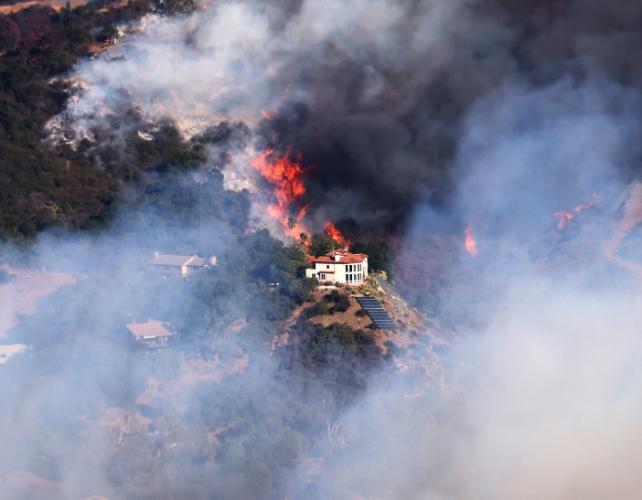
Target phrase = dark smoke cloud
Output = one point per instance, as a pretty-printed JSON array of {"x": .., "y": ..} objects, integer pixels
[
  {"x": 540, "y": 384},
  {"x": 372, "y": 94},
  {"x": 383, "y": 126}
]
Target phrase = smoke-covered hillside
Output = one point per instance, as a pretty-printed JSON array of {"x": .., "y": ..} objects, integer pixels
[{"x": 483, "y": 154}]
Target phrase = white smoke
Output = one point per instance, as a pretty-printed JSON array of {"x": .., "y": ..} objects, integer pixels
[
  {"x": 230, "y": 60},
  {"x": 548, "y": 407},
  {"x": 542, "y": 400},
  {"x": 541, "y": 392}
]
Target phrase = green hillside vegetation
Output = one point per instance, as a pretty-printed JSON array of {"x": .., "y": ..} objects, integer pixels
[
  {"x": 162, "y": 192},
  {"x": 42, "y": 186}
]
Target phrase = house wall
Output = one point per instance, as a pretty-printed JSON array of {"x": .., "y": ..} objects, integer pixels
[
  {"x": 167, "y": 269},
  {"x": 153, "y": 342},
  {"x": 182, "y": 270},
  {"x": 340, "y": 271},
  {"x": 185, "y": 270}
]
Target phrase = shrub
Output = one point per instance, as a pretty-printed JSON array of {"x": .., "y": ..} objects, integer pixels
[
  {"x": 342, "y": 304},
  {"x": 318, "y": 309}
]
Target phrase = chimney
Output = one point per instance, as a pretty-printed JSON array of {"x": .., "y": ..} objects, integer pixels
[{"x": 337, "y": 257}]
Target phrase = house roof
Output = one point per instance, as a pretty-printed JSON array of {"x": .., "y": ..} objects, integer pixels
[
  {"x": 161, "y": 259},
  {"x": 344, "y": 258},
  {"x": 149, "y": 329},
  {"x": 196, "y": 261}
]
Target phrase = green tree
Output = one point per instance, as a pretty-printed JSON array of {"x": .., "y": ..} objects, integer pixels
[
  {"x": 380, "y": 256},
  {"x": 322, "y": 244}
]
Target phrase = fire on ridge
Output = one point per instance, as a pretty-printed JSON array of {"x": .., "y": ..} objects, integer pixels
[{"x": 288, "y": 176}]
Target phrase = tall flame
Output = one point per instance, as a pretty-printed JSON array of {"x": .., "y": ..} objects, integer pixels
[
  {"x": 469, "y": 240},
  {"x": 333, "y": 232},
  {"x": 287, "y": 177}
]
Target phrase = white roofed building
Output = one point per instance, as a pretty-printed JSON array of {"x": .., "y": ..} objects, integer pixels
[{"x": 181, "y": 264}]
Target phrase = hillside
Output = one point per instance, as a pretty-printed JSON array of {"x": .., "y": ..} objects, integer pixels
[
  {"x": 413, "y": 347},
  {"x": 203, "y": 204},
  {"x": 11, "y": 7}
]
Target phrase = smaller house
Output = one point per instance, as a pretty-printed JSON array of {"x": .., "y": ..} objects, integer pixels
[
  {"x": 181, "y": 264},
  {"x": 151, "y": 334},
  {"x": 339, "y": 266}
]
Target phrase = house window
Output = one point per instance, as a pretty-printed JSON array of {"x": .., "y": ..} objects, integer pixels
[
  {"x": 354, "y": 277},
  {"x": 327, "y": 266}
]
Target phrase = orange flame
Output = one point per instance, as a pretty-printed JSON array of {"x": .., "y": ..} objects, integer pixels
[
  {"x": 563, "y": 217},
  {"x": 469, "y": 241},
  {"x": 333, "y": 232},
  {"x": 288, "y": 176},
  {"x": 289, "y": 188}
]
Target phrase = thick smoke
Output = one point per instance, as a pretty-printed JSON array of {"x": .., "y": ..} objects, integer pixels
[
  {"x": 546, "y": 406},
  {"x": 74, "y": 393},
  {"x": 371, "y": 93},
  {"x": 541, "y": 387},
  {"x": 418, "y": 116},
  {"x": 368, "y": 93}
]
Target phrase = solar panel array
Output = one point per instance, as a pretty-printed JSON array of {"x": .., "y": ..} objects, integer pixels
[{"x": 377, "y": 313}]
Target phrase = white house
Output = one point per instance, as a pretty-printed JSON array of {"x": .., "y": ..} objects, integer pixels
[
  {"x": 339, "y": 266},
  {"x": 181, "y": 264}
]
